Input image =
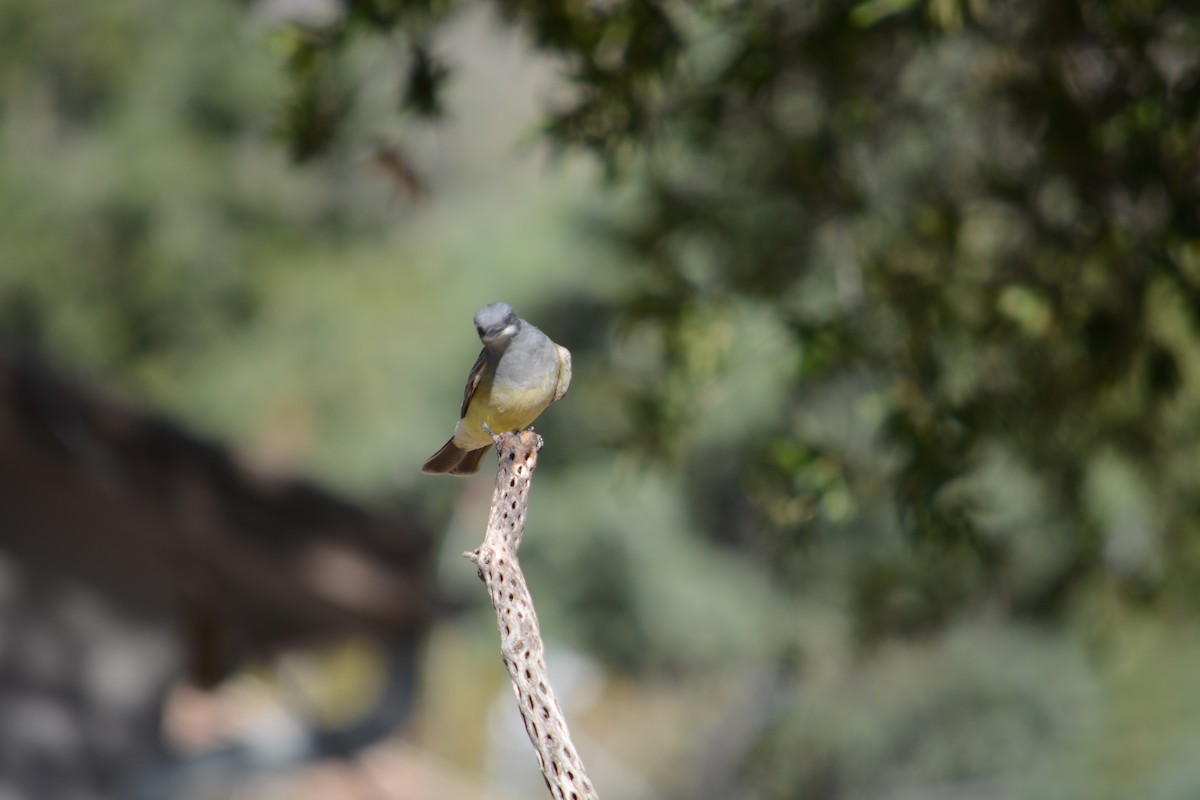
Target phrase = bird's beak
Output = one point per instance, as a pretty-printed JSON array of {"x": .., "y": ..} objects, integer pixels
[{"x": 499, "y": 333}]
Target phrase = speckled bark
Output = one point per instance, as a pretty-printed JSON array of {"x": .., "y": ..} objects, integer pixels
[{"x": 520, "y": 639}]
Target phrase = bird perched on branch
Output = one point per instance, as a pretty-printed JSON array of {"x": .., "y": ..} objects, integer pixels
[{"x": 519, "y": 372}]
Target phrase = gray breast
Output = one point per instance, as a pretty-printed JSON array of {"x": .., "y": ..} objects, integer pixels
[{"x": 528, "y": 361}]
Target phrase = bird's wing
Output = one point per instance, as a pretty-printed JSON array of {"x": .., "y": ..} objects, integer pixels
[
  {"x": 564, "y": 372},
  {"x": 473, "y": 381}
]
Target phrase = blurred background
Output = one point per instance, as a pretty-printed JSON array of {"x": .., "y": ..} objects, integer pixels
[{"x": 876, "y": 479}]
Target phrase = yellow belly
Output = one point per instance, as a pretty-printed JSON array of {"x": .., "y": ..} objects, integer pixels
[{"x": 502, "y": 411}]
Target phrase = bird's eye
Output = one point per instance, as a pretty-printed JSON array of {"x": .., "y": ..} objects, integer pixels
[{"x": 479, "y": 329}]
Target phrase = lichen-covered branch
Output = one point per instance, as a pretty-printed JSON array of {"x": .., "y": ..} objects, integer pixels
[{"x": 520, "y": 638}]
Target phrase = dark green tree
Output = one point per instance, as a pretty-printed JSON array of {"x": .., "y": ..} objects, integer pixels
[{"x": 978, "y": 219}]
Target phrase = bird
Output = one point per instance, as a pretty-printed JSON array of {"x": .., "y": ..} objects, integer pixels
[{"x": 519, "y": 373}]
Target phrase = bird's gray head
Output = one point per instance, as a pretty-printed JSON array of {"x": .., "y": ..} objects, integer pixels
[{"x": 496, "y": 324}]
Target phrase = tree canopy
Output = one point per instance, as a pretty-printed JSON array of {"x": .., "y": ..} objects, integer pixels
[{"x": 979, "y": 222}]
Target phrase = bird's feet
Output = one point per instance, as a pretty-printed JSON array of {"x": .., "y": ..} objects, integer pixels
[
  {"x": 488, "y": 429},
  {"x": 496, "y": 437}
]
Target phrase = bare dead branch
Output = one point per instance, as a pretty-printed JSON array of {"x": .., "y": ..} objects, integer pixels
[{"x": 520, "y": 639}]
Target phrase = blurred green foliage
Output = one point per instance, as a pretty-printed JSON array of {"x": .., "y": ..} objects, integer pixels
[
  {"x": 977, "y": 221},
  {"x": 130, "y": 215},
  {"x": 980, "y": 227},
  {"x": 885, "y": 326}
]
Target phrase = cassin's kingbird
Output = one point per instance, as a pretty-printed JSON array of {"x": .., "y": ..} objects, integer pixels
[{"x": 518, "y": 374}]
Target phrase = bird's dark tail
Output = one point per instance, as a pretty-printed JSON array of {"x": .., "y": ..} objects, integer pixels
[{"x": 453, "y": 460}]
